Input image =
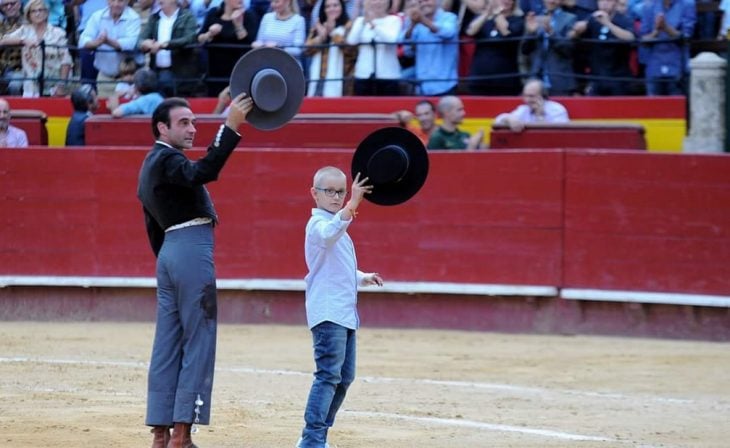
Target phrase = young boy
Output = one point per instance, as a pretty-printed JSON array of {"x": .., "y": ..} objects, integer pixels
[{"x": 331, "y": 298}]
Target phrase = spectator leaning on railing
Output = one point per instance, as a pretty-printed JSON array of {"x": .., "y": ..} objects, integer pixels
[
  {"x": 146, "y": 100},
  {"x": 537, "y": 109},
  {"x": 110, "y": 31}
]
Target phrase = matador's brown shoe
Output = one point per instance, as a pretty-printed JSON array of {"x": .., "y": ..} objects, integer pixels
[
  {"x": 160, "y": 436},
  {"x": 181, "y": 436}
]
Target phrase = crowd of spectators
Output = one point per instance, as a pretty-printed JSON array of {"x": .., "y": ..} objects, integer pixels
[{"x": 356, "y": 47}]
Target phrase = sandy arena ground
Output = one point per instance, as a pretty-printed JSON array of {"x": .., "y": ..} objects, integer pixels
[{"x": 83, "y": 385}]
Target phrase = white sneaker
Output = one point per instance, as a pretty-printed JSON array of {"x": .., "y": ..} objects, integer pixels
[{"x": 299, "y": 444}]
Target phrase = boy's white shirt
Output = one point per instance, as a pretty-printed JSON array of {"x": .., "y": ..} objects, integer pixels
[{"x": 333, "y": 278}]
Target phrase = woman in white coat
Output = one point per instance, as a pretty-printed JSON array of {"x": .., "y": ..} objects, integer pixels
[{"x": 377, "y": 70}]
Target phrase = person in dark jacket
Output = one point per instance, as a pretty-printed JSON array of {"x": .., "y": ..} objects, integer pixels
[
  {"x": 179, "y": 216},
  {"x": 85, "y": 103}
]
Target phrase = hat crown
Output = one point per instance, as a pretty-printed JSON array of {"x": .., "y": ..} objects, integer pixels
[
  {"x": 388, "y": 164},
  {"x": 268, "y": 90}
]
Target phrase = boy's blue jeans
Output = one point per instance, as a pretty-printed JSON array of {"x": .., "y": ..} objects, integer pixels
[{"x": 334, "y": 356}]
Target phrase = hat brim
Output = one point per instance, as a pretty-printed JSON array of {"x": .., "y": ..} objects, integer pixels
[
  {"x": 404, "y": 188},
  {"x": 269, "y": 58}
]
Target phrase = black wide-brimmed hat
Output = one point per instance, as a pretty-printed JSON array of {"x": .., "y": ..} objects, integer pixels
[
  {"x": 396, "y": 163},
  {"x": 275, "y": 81}
]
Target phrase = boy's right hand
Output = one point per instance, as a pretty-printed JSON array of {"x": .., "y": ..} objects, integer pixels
[
  {"x": 240, "y": 107},
  {"x": 359, "y": 190}
]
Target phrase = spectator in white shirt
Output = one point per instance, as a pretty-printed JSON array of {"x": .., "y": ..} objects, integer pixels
[
  {"x": 169, "y": 37},
  {"x": 537, "y": 109}
]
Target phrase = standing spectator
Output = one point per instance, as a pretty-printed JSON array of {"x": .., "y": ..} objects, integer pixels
[
  {"x": 610, "y": 50},
  {"x": 550, "y": 47},
  {"x": 110, "y": 32},
  {"x": 332, "y": 62},
  {"x": 724, "y": 19},
  {"x": 200, "y": 9},
  {"x": 434, "y": 35},
  {"x": 497, "y": 31},
  {"x": 665, "y": 26},
  {"x": 45, "y": 51},
  {"x": 425, "y": 113},
  {"x": 377, "y": 69},
  {"x": 84, "y": 103},
  {"x": 537, "y": 109},
  {"x": 10, "y": 136},
  {"x": 283, "y": 27},
  {"x": 147, "y": 98},
  {"x": 86, "y": 9},
  {"x": 229, "y": 24},
  {"x": 168, "y": 38},
  {"x": 448, "y": 135},
  {"x": 11, "y": 69}
]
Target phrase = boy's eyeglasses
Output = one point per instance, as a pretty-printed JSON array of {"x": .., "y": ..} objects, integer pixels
[{"x": 331, "y": 192}]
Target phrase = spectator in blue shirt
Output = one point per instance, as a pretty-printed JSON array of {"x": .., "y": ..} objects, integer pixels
[
  {"x": 434, "y": 34},
  {"x": 665, "y": 25},
  {"x": 146, "y": 101},
  {"x": 85, "y": 103}
]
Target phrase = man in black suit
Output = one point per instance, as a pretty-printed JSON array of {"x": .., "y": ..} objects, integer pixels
[{"x": 180, "y": 217}]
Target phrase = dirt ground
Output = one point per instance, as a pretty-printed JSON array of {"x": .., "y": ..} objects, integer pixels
[{"x": 83, "y": 385}]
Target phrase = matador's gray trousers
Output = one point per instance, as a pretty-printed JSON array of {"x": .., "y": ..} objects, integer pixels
[{"x": 183, "y": 354}]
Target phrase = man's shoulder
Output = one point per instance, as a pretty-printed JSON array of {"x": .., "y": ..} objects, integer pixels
[{"x": 16, "y": 130}]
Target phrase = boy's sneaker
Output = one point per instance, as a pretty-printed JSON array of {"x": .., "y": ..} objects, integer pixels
[{"x": 299, "y": 444}]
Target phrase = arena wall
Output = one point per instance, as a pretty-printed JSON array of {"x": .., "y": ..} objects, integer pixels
[
  {"x": 664, "y": 118},
  {"x": 553, "y": 241}
]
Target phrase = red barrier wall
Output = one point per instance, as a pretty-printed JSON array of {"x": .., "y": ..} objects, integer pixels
[
  {"x": 581, "y": 219},
  {"x": 651, "y": 223},
  {"x": 75, "y": 213}
]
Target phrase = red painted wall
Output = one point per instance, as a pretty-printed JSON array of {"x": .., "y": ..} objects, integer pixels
[{"x": 609, "y": 220}]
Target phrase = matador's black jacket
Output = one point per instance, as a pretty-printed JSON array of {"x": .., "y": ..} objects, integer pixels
[{"x": 172, "y": 187}]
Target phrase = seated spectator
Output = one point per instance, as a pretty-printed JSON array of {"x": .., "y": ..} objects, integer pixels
[
  {"x": 537, "y": 109},
  {"x": 125, "y": 85},
  {"x": 168, "y": 37},
  {"x": 45, "y": 49},
  {"x": 425, "y": 113},
  {"x": 11, "y": 70},
  {"x": 550, "y": 47},
  {"x": 448, "y": 135},
  {"x": 10, "y": 136},
  {"x": 226, "y": 25},
  {"x": 146, "y": 100},
  {"x": 110, "y": 32},
  {"x": 331, "y": 61},
  {"x": 496, "y": 31},
  {"x": 376, "y": 34},
  {"x": 84, "y": 103},
  {"x": 664, "y": 26},
  {"x": 283, "y": 27},
  {"x": 434, "y": 34},
  {"x": 610, "y": 51}
]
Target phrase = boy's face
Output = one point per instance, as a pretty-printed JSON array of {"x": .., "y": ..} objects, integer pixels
[{"x": 335, "y": 185}]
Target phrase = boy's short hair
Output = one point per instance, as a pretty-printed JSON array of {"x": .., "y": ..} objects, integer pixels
[{"x": 326, "y": 171}]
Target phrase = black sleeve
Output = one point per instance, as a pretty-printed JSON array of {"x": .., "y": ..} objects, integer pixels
[
  {"x": 180, "y": 170},
  {"x": 155, "y": 233}
]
